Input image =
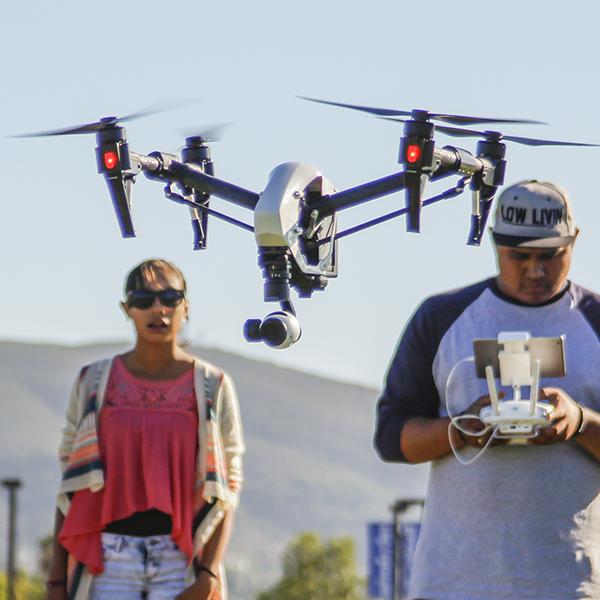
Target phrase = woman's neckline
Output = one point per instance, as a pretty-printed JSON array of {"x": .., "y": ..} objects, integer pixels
[{"x": 120, "y": 363}]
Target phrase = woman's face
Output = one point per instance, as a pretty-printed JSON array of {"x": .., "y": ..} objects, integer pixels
[{"x": 159, "y": 324}]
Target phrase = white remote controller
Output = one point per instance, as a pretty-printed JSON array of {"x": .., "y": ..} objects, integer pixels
[{"x": 516, "y": 418}]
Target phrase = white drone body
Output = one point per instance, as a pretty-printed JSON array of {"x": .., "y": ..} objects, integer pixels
[
  {"x": 517, "y": 417},
  {"x": 277, "y": 214},
  {"x": 295, "y": 247}
]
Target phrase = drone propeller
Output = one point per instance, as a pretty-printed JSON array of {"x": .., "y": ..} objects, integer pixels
[
  {"x": 458, "y": 132},
  {"x": 196, "y": 152},
  {"x": 423, "y": 114},
  {"x": 214, "y": 133},
  {"x": 104, "y": 123}
]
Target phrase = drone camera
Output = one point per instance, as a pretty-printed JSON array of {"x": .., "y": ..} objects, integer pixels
[
  {"x": 277, "y": 330},
  {"x": 276, "y": 268}
]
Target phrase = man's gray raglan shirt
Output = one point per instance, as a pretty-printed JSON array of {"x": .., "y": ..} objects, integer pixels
[{"x": 522, "y": 522}]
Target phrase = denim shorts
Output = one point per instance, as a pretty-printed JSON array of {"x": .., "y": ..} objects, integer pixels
[{"x": 140, "y": 567}]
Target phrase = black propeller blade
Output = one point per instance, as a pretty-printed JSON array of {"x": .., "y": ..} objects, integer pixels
[
  {"x": 105, "y": 122},
  {"x": 455, "y": 119},
  {"x": 457, "y": 132}
]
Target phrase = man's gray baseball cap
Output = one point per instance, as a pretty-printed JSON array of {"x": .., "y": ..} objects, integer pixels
[{"x": 534, "y": 214}]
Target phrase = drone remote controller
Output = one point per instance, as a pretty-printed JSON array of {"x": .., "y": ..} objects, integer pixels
[{"x": 517, "y": 417}]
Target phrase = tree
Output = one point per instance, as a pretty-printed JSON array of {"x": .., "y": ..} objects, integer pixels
[
  {"x": 27, "y": 587},
  {"x": 317, "y": 570},
  {"x": 45, "y": 546}
]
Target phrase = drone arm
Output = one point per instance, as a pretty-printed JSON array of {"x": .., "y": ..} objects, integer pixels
[
  {"x": 192, "y": 177},
  {"x": 329, "y": 204},
  {"x": 486, "y": 173},
  {"x": 205, "y": 209},
  {"x": 450, "y": 193},
  {"x": 159, "y": 165},
  {"x": 447, "y": 161},
  {"x": 458, "y": 161},
  {"x": 141, "y": 162}
]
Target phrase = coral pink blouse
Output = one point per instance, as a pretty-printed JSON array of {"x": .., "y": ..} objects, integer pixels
[{"x": 148, "y": 433}]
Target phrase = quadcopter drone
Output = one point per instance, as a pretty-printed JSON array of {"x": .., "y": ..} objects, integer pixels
[{"x": 294, "y": 217}]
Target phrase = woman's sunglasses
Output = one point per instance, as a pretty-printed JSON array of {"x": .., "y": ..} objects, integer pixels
[{"x": 144, "y": 299}]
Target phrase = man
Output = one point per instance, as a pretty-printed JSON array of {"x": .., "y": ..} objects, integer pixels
[{"x": 523, "y": 521}]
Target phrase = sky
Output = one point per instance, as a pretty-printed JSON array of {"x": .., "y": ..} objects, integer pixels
[{"x": 67, "y": 63}]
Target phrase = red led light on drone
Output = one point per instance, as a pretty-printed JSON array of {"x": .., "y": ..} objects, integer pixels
[
  {"x": 111, "y": 159},
  {"x": 413, "y": 153}
]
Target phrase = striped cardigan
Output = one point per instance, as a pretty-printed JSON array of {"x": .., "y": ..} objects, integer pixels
[{"x": 219, "y": 464}]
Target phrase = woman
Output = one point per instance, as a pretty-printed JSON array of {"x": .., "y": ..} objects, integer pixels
[{"x": 151, "y": 460}]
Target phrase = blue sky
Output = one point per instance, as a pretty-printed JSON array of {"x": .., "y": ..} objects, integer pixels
[{"x": 71, "y": 62}]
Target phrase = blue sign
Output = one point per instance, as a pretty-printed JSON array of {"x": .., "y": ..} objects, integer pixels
[{"x": 380, "y": 557}]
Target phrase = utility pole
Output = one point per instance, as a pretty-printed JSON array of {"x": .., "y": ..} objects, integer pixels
[
  {"x": 12, "y": 485},
  {"x": 402, "y": 551}
]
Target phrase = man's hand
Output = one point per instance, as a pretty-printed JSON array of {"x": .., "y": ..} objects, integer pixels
[
  {"x": 476, "y": 425},
  {"x": 564, "y": 419},
  {"x": 204, "y": 588}
]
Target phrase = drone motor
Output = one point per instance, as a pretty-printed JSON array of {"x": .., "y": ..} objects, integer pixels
[{"x": 112, "y": 158}]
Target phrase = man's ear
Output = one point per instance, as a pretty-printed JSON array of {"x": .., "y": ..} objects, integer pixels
[{"x": 124, "y": 308}]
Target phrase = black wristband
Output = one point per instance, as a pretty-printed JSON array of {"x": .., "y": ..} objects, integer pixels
[{"x": 207, "y": 570}]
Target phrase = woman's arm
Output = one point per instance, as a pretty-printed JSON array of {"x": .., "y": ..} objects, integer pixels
[
  {"x": 57, "y": 590},
  {"x": 213, "y": 554},
  {"x": 230, "y": 423}
]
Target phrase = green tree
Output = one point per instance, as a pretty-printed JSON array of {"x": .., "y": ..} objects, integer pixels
[
  {"x": 27, "y": 587},
  {"x": 45, "y": 545},
  {"x": 317, "y": 570}
]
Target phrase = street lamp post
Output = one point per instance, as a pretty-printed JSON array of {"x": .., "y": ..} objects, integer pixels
[
  {"x": 399, "y": 508},
  {"x": 12, "y": 485}
]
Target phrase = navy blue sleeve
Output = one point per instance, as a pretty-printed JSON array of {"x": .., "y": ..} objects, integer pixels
[
  {"x": 410, "y": 389},
  {"x": 589, "y": 304}
]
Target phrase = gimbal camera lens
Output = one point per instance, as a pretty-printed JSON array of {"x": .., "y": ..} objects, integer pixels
[
  {"x": 277, "y": 274},
  {"x": 276, "y": 291},
  {"x": 278, "y": 330}
]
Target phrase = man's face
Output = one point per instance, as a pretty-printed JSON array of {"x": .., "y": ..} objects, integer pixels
[{"x": 533, "y": 275}]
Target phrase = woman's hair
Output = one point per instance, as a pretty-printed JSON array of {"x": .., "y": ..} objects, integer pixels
[{"x": 148, "y": 271}]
